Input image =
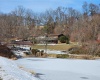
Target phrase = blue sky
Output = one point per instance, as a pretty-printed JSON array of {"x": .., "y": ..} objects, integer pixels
[{"x": 41, "y": 5}]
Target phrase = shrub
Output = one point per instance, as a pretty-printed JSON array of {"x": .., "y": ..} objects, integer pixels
[
  {"x": 64, "y": 39},
  {"x": 88, "y": 57},
  {"x": 89, "y": 49},
  {"x": 34, "y": 51},
  {"x": 38, "y": 53},
  {"x": 6, "y": 52},
  {"x": 62, "y": 55},
  {"x": 67, "y": 41},
  {"x": 34, "y": 41},
  {"x": 77, "y": 50},
  {"x": 1, "y": 78}
]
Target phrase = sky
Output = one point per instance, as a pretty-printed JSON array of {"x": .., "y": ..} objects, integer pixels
[{"x": 7, "y": 6}]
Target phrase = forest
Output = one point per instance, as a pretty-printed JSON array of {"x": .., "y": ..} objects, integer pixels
[
  {"x": 81, "y": 26},
  {"x": 78, "y": 25}
]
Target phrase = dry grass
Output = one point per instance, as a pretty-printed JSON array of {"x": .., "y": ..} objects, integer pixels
[
  {"x": 88, "y": 57},
  {"x": 55, "y": 47},
  {"x": 30, "y": 71},
  {"x": 52, "y": 55}
]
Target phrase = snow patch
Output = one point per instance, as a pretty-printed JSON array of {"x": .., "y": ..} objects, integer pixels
[{"x": 10, "y": 71}]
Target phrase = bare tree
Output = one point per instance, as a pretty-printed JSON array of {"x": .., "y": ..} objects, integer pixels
[{"x": 94, "y": 9}]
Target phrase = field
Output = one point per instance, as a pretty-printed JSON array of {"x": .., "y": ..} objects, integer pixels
[{"x": 54, "y": 46}]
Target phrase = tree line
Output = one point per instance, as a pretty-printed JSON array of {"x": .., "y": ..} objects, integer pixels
[{"x": 80, "y": 26}]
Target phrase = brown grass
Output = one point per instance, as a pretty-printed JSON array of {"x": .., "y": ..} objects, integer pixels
[
  {"x": 30, "y": 71},
  {"x": 55, "y": 47},
  {"x": 88, "y": 57},
  {"x": 52, "y": 55}
]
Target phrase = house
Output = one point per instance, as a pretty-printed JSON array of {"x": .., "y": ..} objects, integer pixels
[
  {"x": 51, "y": 38},
  {"x": 22, "y": 44},
  {"x": 21, "y": 48}
]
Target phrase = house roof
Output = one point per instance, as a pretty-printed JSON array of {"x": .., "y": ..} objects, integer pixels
[
  {"x": 52, "y": 35},
  {"x": 48, "y": 38},
  {"x": 23, "y": 43}
]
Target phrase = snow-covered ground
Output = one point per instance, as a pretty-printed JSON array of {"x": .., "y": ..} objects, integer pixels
[
  {"x": 53, "y": 51},
  {"x": 10, "y": 71},
  {"x": 62, "y": 69},
  {"x": 49, "y": 69}
]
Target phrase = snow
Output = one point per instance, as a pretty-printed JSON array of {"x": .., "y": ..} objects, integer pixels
[
  {"x": 27, "y": 47},
  {"x": 19, "y": 52},
  {"x": 53, "y": 51},
  {"x": 62, "y": 69},
  {"x": 10, "y": 71},
  {"x": 49, "y": 69}
]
